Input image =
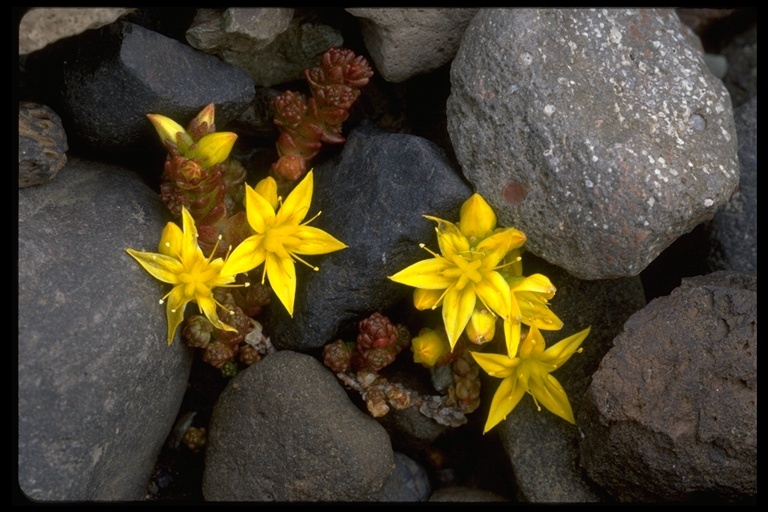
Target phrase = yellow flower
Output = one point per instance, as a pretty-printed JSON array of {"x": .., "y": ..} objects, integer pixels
[
  {"x": 279, "y": 236},
  {"x": 466, "y": 269},
  {"x": 529, "y": 372},
  {"x": 529, "y": 306},
  {"x": 181, "y": 262},
  {"x": 209, "y": 150},
  {"x": 481, "y": 327}
]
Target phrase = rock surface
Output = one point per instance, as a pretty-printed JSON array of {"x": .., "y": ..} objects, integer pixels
[
  {"x": 285, "y": 430},
  {"x": 405, "y": 177},
  {"x": 405, "y": 42},
  {"x": 98, "y": 386},
  {"x": 599, "y": 133},
  {"x": 42, "y": 144},
  {"x": 671, "y": 414}
]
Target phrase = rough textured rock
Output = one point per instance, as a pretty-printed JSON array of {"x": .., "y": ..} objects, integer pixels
[
  {"x": 404, "y": 42},
  {"x": 405, "y": 177},
  {"x": 542, "y": 448},
  {"x": 109, "y": 79},
  {"x": 237, "y": 29},
  {"x": 42, "y": 26},
  {"x": 408, "y": 482},
  {"x": 598, "y": 132},
  {"x": 741, "y": 77},
  {"x": 733, "y": 230},
  {"x": 42, "y": 144},
  {"x": 98, "y": 386},
  {"x": 671, "y": 414},
  {"x": 285, "y": 430},
  {"x": 298, "y": 47}
]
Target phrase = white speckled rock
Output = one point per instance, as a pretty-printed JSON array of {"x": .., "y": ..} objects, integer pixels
[{"x": 598, "y": 132}]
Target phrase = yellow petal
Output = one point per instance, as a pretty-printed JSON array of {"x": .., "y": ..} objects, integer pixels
[
  {"x": 260, "y": 213},
  {"x": 427, "y": 299},
  {"x": 162, "y": 267},
  {"x": 174, "y": 311},
  {"x": 246, "y": 256},
  {"x": 538, "y": 283},
  {"x": 282, "y": 279},
  {"x": 208, "y": 307},
  {"x": 496, "y": 365},
  {"x": 296, "y": 205},
  {"x": 170, "y": 241},
  {"x": 427, "y": 274},
  {"x": 477, "y": 219},
  {"x": 512, "y": 335},
  {"x": 166, "y": 128},
  {"x": 534, "y": 311},
  {"x": 189, "y": 246},
  {"x": 493, "y": 290},
  {"x": 457, "y": 308},
  {"x": 499, "y": 244},
  {"x": 214, "y": 148},
  {"x": 315, "y": 241},
  {"x": 449, "y": 238},
  {"x": 548, "y": 392},
  {"x": 532, "y": 346},
  {"x": 561, "y": 351},
  {"x": 505, "y": 399},
  {"x": 267, "y": 188}
]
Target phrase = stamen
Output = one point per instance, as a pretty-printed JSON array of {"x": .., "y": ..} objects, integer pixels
[
  {"x": 210, "y": 256},
  {"x": 313, "y": 218},
  {"x": 304, "y": 262},
  {"x": 424, "y": 246},
  {"x": 508, "y": 263}
]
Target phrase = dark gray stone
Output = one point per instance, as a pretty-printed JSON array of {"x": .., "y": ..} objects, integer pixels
[
  {"x": 42, "y": 144},
  {"x": 408, "y": 481},
  {"x": 373, "y": 199},
  {"x": 111, "y": 78},
  {"x": 741, "y": 77},
  {"x": 543, "y": 449},
  {"x": 285, "y": 430},
  {"x": 600, "y": 133},
  {"x": 458, "y": 493},
  {"x": 405, "y": 42},
  {"x": 99, "y": 388},
  {"x": 733, "y": 230},
  {"x": 671, "y": 414}
]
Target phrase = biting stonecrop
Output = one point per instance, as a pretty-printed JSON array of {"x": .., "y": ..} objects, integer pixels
[
  {"x": 477, "y": 279},
  {"x": 180, "y": 262},
  {"x": 279, "y": 236}
]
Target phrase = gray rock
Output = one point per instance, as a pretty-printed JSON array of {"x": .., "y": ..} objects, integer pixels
[
  {"x": 372, "y": 199},
  {"x": 741, "y": 77},
  {"x": 299, "y": 47},
  {"x": 733, "y": 230},
  {"x": 42, "y": 26},
  {"x": 110, "y": 79},
  {"x": 404, "y": 42},
  {"x": 42, "y": 144},
  {"x": 543, "y": 449},
  {"x": 99, "y": 388},
  {"x": 285, "y": 430},
  {"x": 671, "y": 414},
  {"x": 237, "y": 29},
  {"x": 598, "y": 132},
  {"x": 408, "y": 482}
]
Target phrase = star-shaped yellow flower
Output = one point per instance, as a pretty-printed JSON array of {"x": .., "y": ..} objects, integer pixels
[
  {"x": 466, "y": 269},
  {"x": 529, "y": 301},
  {"x": 279, "y": 236},
  {"x": 529, "y": 372},
  {"x": 181, "y": 262}
]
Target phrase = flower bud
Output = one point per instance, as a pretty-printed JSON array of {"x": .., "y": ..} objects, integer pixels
[
  {"x": 481, "y": 327},
  {"x": 214, "y": 148},
  {"x": 430, "y": 347}
]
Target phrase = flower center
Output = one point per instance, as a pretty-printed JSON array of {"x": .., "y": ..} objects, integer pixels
[{"x": 196, "y": 277}]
